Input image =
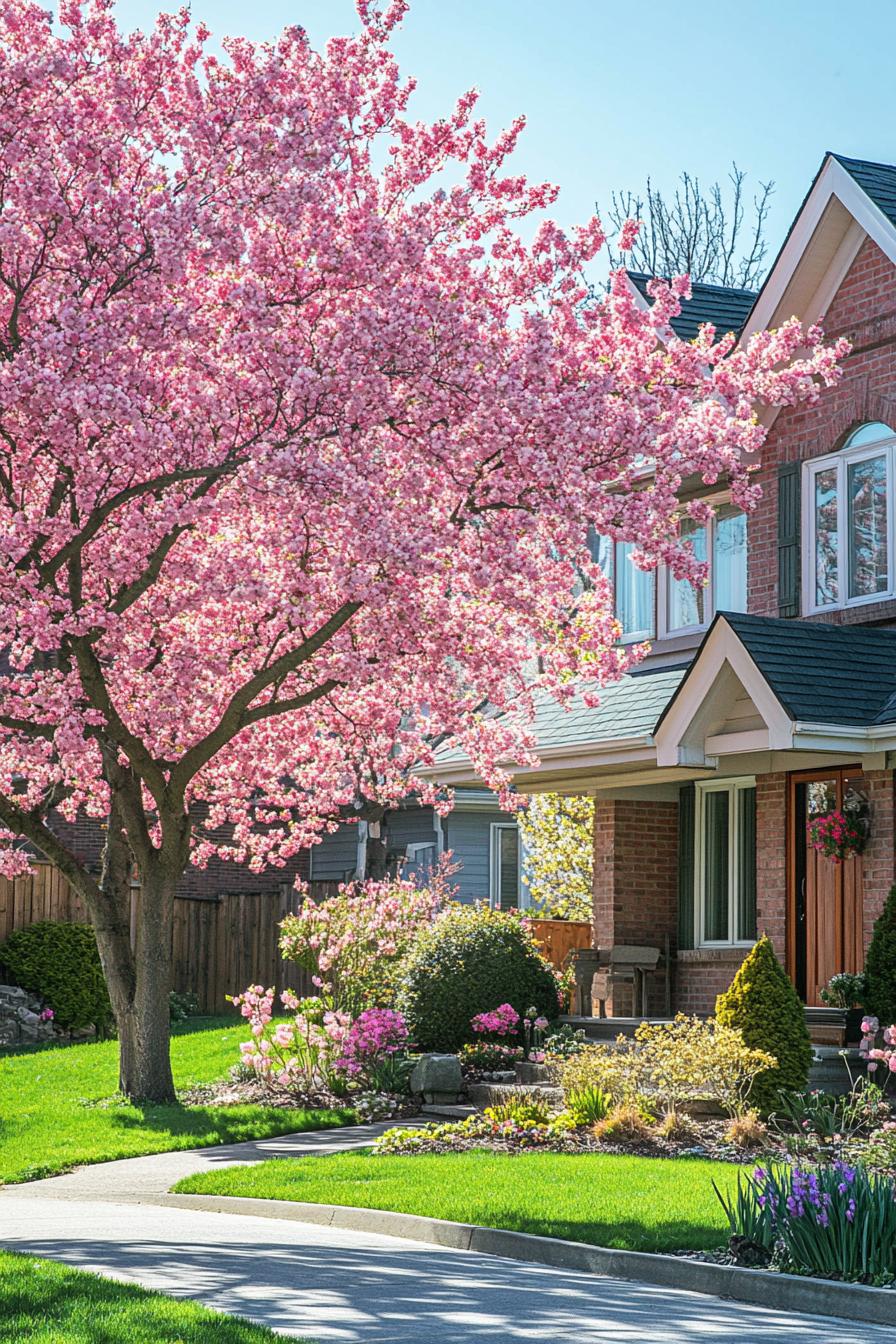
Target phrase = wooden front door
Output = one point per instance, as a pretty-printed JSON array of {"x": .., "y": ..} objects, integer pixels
[{"x": 824, "y": 915}]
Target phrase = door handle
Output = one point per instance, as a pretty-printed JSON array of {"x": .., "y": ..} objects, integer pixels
[{"x": 803, "y": 901}]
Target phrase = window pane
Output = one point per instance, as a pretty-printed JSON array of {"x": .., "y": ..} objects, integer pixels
[
  {"x": 687, "y": 604},
  {"x": 871, "y": 433},
  {"x": 634, "y": 595},
  {"x": 508, "y": 867},
  {"x": 729, "y": 560},
  {"x": 715, "y": 866},
  {"x": 866, "y": 489},
  {"x": 601, "y": 549},
  {"x": 826, "y": 585},
  {"x": 746, "y": 864}
]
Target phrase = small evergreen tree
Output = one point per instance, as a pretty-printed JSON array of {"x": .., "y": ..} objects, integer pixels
[
  {"x": 764, "y": 1006},
  {"x": 880, "y": 965}
]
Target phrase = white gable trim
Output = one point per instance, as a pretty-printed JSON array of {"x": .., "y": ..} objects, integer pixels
[
  {"x": 680, "y": 738},
  {"x": 833, "y": 182}
]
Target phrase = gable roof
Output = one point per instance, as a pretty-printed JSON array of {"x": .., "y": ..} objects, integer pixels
[
  {"x": 725, "y": 307},
  {"x": 877, "y": 180},
  {"x": 818, "y": 673}
]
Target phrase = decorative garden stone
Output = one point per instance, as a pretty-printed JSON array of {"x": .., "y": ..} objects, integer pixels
[{"x": 438, "y": 1078}]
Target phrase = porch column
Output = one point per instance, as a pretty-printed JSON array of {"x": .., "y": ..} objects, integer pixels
[{"x": 635, "y": 881}]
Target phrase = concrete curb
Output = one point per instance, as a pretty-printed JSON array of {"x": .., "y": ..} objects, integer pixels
[{"x": 781, "y": 1292}]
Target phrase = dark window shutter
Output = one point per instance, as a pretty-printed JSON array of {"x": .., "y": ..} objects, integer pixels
[
  {"x": 687, "y": 797},
  {"x": 789, "y": 539}
]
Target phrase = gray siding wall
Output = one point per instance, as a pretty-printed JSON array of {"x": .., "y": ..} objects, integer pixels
[{"x": 467, "y": 835}]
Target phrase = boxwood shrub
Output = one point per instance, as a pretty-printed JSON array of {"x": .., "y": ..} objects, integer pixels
[
  {"x": 60, "y": 962},
  {"x": 471, "y": 960}
]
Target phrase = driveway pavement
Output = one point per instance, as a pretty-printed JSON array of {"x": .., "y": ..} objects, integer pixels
[{"x": 331, "y": 1284}]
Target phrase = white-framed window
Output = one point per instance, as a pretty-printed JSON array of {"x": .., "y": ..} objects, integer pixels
[
  {"x": 505, "y": 865},
  {"x": 725, "y": 863},
  {"x": 848, "y": 548},
  {"x": 723, "y": 543},
  {"x": 647, "y": 604}
]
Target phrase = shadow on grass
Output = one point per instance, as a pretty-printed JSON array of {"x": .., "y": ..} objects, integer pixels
[{"x": 224, "y": 1124}]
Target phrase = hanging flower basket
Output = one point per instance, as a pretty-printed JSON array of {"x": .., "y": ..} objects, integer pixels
[{"x": 838, "y": 835}]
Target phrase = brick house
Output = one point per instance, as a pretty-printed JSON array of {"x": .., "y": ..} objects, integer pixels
[{"x": 770, "y": 696}]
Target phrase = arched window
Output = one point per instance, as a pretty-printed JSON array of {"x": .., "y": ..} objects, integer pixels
[{"x": 849, "y": 530}]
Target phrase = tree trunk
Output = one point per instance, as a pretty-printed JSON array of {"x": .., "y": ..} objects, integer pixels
[
  {"x": 139, "y": 978},
  {"x": 144, "y": 1025}
]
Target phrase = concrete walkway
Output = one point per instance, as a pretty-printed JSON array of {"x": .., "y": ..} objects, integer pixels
[{"x": 335, "y": 1285}]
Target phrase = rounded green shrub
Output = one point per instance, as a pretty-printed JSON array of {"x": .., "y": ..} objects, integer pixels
[
  {"x": 60, "y": 962},
  {"x": 880, "y": 965},
  {"x": 471, "y": 960},
  {"x": 764, "y": 1006}
]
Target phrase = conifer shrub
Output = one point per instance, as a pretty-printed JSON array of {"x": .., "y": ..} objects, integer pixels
[
  {"x": 764, "y": 1006},
  {"x": 469, "y": 961},
  {"x": 61, "y": 964},
  {"x": 880, "y": 965}
]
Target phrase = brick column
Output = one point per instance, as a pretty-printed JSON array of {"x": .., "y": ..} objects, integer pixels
[
  {"x": 771, "y": 859},
  {"x": 878, "y": 865},
  {"x": 636, "y": 879}
]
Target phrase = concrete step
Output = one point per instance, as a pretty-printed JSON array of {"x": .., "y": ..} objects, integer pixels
[
  {"x": 604, "y": 1030},
  {"x": 494, "y": 1094},
  {"x": 446, "y": 1111}
]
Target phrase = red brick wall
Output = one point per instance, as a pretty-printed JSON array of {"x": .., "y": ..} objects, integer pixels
[
  {"x": 878, "y": 868},
  {"x": 636, "y": 880},
  {"x": 864, "y": 310},
  {"x": 771, "y": 861}
]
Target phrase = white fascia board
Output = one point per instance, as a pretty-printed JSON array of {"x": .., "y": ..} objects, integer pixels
[
  {"x": 845, "y": 739},
  {"x": 570, "y": 756},
  {"x": 721, "y": 648},
  {"x": 833, "y": 181}
]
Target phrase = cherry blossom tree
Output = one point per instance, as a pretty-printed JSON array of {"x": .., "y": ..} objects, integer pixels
[{"x": 299, "y": 444}]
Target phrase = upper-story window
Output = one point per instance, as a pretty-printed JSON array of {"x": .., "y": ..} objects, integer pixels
[
  {"x": 848, "y": 529},
  {"x": 649, "y": 602}
]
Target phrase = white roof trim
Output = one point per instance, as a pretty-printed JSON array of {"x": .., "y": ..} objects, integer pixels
[
  {"x": 833, "y": 182},
  {"x": 681, "y": 738}
]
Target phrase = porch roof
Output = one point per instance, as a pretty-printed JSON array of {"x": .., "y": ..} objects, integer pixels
[
  {"x": 726, "y": 307},
  {"x": 819, "y": 673}
]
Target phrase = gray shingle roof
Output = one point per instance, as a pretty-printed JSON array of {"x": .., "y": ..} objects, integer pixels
[
  {"x": 725, "y": 307},
  {"x": 822, "y": 673},
  {"x": 629, "y": 708},
  {"x": 877, "y": 180}
]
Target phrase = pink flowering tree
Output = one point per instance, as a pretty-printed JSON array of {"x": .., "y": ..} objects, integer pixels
[{"x": 300, "y": 439}]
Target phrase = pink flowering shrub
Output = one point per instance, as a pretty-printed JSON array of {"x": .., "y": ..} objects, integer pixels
[
  {"x": 300, "y": 1055},
  {"x": 353, "y": 942},
  {"x": 377, "y": 1034},
  {"x": 878, "y": 1057},
  {"x": 503, "y": 1021},
  {"x": 838, "y": 835}
]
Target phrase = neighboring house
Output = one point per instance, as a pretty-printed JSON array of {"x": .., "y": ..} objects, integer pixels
[
  {"x": 770, "y": 697},
  {"x": 484, "y": 841}
]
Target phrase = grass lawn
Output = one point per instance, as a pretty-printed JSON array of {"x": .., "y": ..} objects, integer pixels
[
  {"x": 46, "y": 1303},
  {"x": 59, "y": 1107},
  {"x": 636, "y": 1203}
]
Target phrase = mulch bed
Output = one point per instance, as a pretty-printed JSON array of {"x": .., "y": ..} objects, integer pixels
[{"x": 252, "y": 1092}]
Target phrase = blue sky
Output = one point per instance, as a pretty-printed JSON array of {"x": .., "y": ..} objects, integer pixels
[{"x": 612, "y": 93}]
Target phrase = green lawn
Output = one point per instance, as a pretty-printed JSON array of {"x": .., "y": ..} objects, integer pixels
[
  {"x": 59, "y": 1107},
  {"x": 46, "y": 1303},
  {"x": 636, "y": 1203}
]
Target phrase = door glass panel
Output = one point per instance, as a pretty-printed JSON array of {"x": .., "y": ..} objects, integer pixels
[
  {"x": 715, "y": 866},
  {"x": 826, "y": 541},
  {"x": 821, "y": 797},
  {"x": 866, "y": 488},
  {"x": 687, "y": 604},
  {"x": 746, "y": 865},
  {"x": 634, "y": 595},
  {"x": 730, "y": 560}
]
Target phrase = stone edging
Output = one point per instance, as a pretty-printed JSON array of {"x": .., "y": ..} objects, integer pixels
[{"x": 781, "y": 1292}]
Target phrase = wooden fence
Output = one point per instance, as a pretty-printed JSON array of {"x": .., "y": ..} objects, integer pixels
[
  {"x": 220, "y": 943},
  {"x": 558, "y": 937}
]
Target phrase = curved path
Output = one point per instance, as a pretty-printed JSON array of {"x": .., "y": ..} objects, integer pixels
[{"x": 334, "y": 1285}]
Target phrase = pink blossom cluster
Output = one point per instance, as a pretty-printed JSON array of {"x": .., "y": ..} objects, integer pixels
[
  {"x": 503, "y": 1021},
  {"x": 878, "y": 1056},
  {"x": 377, "y": 1033},
  {"x": 836, "y": 836},
  {"x": 304, "y": 426},
  {"x": 300, "y": 1055},
  {"x": 352, "y": 941}
]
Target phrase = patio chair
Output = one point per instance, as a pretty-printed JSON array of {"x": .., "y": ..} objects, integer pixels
[{"x": 629, "y": 967}]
